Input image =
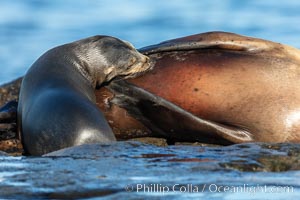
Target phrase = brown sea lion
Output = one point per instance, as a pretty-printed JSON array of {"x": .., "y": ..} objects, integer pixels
[
  {"x": 214, "y": 87},
  {"x": 57, "y": 102}
]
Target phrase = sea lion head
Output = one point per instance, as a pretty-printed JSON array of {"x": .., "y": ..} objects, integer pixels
[{"x": 121, "y": 59}]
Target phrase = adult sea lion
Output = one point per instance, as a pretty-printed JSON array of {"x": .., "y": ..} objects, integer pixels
[
  {"x": 215, "y": 87},
  {"x": 57, "y": 102}
]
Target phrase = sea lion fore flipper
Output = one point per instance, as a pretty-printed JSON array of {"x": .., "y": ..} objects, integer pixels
[{"x": 169, "y": 120}]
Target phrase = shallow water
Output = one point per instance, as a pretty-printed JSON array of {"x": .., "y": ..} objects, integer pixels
[
  {"x": 131, "y": 170},
  {"x": 29, "y": 28}
]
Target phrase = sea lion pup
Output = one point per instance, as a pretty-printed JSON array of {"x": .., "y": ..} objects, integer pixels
[{"x": 57, "y": 107}]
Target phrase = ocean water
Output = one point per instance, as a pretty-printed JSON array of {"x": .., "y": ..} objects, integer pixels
[{"x": 28, "y": 28}]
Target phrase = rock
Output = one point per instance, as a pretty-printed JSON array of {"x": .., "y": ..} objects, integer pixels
[
  {"x": 10, "y": 91},
  {"x": 12, "y": 147},
  {"x": 161, "y": 142},
  {"x": 9, "y": 140},
  {"x": 2, "y": 153},
  {"x": 197, "y": 144},
  {"x": 135, "y": 170}
]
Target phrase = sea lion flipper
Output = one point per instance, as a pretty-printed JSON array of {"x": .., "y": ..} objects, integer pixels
[
  {"x": 232, "y": 133},
  {"x": 211, "y": 40},
  {"x": 169, "y": 120}
]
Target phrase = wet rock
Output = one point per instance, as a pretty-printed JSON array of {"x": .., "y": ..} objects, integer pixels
[
  {"x": 9, "y": 141},
  {"x": 152, "y": 140},
  {"x": 135, "y": 170},
  {"x": 2, "y": 153},
  {"x": 10, "y": 91},
  {"x": 277, "y": 163},
  {"x": 12, "y": 147},
  {"x": 197, "y": 144},
  {"x": 264, "y": 157}
]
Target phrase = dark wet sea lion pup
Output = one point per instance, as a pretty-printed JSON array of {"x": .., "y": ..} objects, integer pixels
[
  {"x": 57, "y": 107},
  {"x": 213, "y": 87}
]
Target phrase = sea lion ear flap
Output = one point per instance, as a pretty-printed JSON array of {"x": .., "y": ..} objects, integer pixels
[{"x": 211, "y": 40}]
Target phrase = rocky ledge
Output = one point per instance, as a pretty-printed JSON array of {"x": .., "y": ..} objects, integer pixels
[{"x": 134, "y": 170}]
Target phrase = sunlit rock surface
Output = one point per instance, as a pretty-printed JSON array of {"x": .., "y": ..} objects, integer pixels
[{"x": 137, "y": 170}]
